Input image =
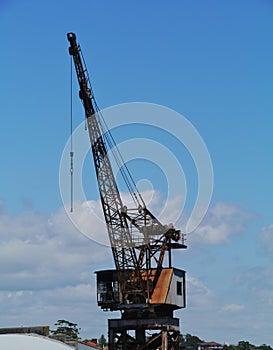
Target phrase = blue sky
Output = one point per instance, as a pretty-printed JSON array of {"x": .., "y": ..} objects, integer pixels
[{"x": 211, "y": 61}]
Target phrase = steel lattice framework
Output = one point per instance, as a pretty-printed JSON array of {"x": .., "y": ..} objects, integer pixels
[{"x": 138, "y": 240}]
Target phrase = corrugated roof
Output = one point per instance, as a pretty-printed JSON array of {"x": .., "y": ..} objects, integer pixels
[{"x": 91, "y": 343}]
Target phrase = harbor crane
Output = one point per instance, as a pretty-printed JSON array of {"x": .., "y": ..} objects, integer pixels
[{"x": 143, "y": 286}]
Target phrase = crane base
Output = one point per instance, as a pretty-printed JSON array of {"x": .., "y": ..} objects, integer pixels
[{"x": 144, "y": 334}]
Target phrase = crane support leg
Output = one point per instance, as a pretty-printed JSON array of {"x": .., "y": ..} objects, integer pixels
[
  {"x": 143, "y": 334},
  {"x": 164, "y": 340},
  {"x": 140, "y": 335}
]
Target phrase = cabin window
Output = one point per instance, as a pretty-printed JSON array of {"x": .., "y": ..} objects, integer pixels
[{"x": 179, "y": 288}]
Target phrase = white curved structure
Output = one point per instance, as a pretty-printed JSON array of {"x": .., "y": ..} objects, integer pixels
[{"x": 30, "y": 342}]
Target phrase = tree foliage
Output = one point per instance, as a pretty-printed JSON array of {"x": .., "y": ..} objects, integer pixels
[
  {"x": 68, "y": 328},
  {"x": 245, "y": 345},
  {"x": 264, "y": 347},
  {"x": 190, "y": 342},
  {"x": 102, "y": 341}
]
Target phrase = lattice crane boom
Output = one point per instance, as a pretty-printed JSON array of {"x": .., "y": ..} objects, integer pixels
[{"x": 138, "y": 239}]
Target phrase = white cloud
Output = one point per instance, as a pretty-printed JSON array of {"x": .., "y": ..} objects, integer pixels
[
  {"x": 221, "y": 222},
  {"x": 259, "y": 283},
  {"x": 47, "y": 266},
  {"x": 47, "y": 269},
  {"x": 233, "y": 307},
  {"x": 196, "y": 286},
  {"x": 266, "y": 239},
  {"x": 39, "y": 251},
  {"x": 167, "y": 210},
  {"x": 88, "y": 217},
  {"x": 199, "y": 296}
]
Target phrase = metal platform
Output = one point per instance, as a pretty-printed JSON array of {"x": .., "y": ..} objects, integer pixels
[{"x": 144, "y": 334}]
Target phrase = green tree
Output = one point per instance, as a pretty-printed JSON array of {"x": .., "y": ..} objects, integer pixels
[
  {"x": 230, "y": 347},
  {"x": 68, "y": 328},
  {"x": 245, "y": 345},
  {"x": 264, "y": 347},
  {"x": 102, "y": 341},
  {"x": 190, "y": 342}
]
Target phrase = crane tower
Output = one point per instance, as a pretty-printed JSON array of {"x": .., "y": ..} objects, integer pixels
[{"x": 144, "y": 286}]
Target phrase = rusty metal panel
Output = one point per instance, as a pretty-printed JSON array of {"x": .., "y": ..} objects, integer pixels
[{"x": 162, "y": 287}]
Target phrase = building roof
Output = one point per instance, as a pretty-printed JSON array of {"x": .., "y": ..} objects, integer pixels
[
  {"x": 30, "y": 342},
  {"x": 91, "y": 343}
]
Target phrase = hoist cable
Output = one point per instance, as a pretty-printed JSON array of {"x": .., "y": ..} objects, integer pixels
[
  {"x": 110, "y": 141},
  {"x": 126, "y": 175},
  {"x": 71, "y": 137},
  {"x": 121, "y": 164}
]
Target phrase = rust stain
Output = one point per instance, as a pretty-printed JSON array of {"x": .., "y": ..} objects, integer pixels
[{"x": 162, "y": 287}]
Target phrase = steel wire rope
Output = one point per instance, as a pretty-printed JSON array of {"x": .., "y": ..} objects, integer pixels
[
  {"x": 110, "y": 141},
  {"x": 71, "y": 138}
]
